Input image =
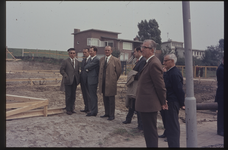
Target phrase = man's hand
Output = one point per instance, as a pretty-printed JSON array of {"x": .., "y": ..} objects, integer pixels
[
  {"x": 183, "y": 107},
  {"x": 165, "y": 107}
]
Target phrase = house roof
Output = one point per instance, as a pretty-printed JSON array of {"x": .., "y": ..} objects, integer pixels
[
  {"x": 96, "y": 30},
  {"x": 121, "y": 39}
]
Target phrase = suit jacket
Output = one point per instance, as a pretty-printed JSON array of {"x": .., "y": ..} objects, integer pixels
[
  {"x": 139, "y": 66},
  {"x": 151, "y": 92},
  {"x": 220, "y": 79},
  {"x": 113, "y": 72},
  {"x": 83, "y": 74},
  {"x": 174, "y": 86},
  {"x": 69, "y": 72},
  {"x": 93, "y": 71},
  {"x": 131, "y": 86}
]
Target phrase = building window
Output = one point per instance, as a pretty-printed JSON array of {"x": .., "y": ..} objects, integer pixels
[
  {"x": 92, "y": 42},
  {"x": 126, "y": 56},
  {"x": 109, "y": 43},
  {"x": 127, "y": 45},
  {"x": 121, "y": 56}
]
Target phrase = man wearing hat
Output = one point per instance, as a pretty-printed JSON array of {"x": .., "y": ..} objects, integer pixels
[{"x": 70, "y": 72}]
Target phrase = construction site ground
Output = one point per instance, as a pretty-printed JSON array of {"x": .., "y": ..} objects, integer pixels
[{"x": 78, "y": 130}]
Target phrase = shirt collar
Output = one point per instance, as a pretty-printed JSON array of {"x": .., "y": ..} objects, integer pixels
[
  {"x": 108, "y": 57},
  {"x": 93, "y": 57},
  {"x": 149, "y": 58},
  {"x": 72, "y": 58},
  {"x": 140, "y": 57},
  {"x": 170, "y": 68},
  {"x": 88, "y": 57}
]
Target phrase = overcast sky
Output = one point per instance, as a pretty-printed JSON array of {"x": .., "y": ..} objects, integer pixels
[{"x": 48, "y": 25}]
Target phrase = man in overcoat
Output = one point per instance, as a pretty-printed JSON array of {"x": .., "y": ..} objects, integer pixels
[
  {"x": 92, "y": 69},
  {"x": 71, "y": 78},
  {"x": 219, "y": 98},
  {"x": 109, "y": 73},
  {"x": 140, "y": 63},
  {"x": 83, "y": 80},
  {"x": 151, "y": 93}
]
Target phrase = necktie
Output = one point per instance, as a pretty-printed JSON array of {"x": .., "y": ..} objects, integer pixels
[
  {"x": 105, "y": 64},
  {"x": 72, "y": 62},
  {"x": 137, "y": 61}
]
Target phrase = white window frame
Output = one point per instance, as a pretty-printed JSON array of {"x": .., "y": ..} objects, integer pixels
[{"x": 127, "y": 45}]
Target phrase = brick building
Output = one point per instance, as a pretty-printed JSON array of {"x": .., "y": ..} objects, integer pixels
[{"x": 100, "y": 39}]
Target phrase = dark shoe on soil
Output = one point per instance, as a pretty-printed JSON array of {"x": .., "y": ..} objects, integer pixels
[
  {"x": 162, "y": 136},
  {"x": 69, "y": 113},
  {"x": 104, "y": 116},
  {"x": 165, "y": 140},
  {"x": 89, "y": 114},
  {"x": 126, "y": 122},
  {"x": 73, "y": 111},
  {"x": 84, "y": 111},
  {"x": 111, "y": 118}
]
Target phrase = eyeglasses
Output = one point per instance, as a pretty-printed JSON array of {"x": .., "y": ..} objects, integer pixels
[
  {"x": 72, "y": 53},
  {"x": 143, "y": 47},
  {"x": 166, "y": 60}
]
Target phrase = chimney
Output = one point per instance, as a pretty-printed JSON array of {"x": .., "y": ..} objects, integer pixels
[{"x": 76, "y": 30}]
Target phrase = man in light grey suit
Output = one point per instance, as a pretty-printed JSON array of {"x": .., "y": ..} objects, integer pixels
[
  {"x": 92, "y": 69},
  {"x": 71, "y": 77},
  {"x": 83, "y": 80}
]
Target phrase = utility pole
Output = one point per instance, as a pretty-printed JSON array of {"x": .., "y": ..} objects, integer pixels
[{"x": 190, "y": 100}]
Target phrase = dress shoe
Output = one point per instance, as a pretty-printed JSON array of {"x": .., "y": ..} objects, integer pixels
[
  {"x": 162, "y": 136},
  {"x": 84, "y": 111},
  {"x": 126, "y": 122},
  {"x": 104, "y": 116},
  {"x": 73, "y": 111},
  {"x": 69, "y": 113},
  {"x": 89, "y": 114},
  {"x": 111, "y": 118}
]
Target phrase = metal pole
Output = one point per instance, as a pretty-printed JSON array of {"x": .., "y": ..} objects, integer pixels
[{"x": 190, "y": 100}]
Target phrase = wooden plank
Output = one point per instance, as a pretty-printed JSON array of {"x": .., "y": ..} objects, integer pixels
[
  {"x": 23, "y": 98},
  {"x": 26, "y": 108},
  {"x": 45, "y": 111},
  {"x": 18, "y": 105},
  {"x": 35, "y": 113}
]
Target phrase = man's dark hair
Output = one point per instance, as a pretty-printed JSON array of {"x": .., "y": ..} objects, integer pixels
[
  {"x": 71, "y": 49},
  {"x": 86, "y": 48},
  {"x": 94, "y": 48},
  {"x": 138, "y": 49}
]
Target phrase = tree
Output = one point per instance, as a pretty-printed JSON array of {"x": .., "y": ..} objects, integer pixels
[
  {"x": 116, "y": 53},
  {"x": 149, "y": 30},
  {"x": 213, "y": 54},
  {"x": 168, "y": 50}
]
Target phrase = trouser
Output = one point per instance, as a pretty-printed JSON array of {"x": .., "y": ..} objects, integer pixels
[
  {"x": 220, "y": 118},
  {"x": 93, "y": 98},
  {"x": 130, "y": 114},
  {"x": 109, "y": 105},
  {"x": 85, "y": 94},
  {"x": 163, "y": 112},
  {"x": 149, "y": 120},
  {"x": 70, "y": 92},
  {"x": 172, "y": 124}
]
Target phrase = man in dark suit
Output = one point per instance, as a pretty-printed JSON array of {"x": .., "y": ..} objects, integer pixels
[
  {"x": 109, "y": 73},
  {"x": 83, "y": 80},
  {"x": 140, "y": 63},
  {"x": 151, "y": 93},
  {"x": 219, "y": 98},
  {"x": 92, "y": 69},
  {"x": 71, "y": 78},
  {"x": 175, "y": 98}
]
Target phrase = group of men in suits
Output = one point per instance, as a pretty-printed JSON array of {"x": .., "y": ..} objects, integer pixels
[
  {"x": 153, "y": 93},
  {"x": 104, "y": 72}
]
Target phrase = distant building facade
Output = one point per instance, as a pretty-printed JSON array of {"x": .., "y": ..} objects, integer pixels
[
  {"x": 179, "y": 46},
  {"x": 100, "y": 39}
]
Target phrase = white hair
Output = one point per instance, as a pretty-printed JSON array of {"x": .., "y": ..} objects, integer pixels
[
  {"x": 153, "y": 44},
  {"x": 173, "y": 57}
]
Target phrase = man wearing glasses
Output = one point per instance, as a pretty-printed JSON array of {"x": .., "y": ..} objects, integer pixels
[
  {"x": 151, "y": 93},
  {"x": 70, "y": 72}
]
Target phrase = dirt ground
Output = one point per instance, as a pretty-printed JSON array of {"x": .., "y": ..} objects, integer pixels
[{"x": 77, "y": 130}]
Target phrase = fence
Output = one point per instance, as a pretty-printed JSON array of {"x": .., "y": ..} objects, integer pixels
[
  {"x": 202, "y": 71},
  {"x": 38, "y": 53}
]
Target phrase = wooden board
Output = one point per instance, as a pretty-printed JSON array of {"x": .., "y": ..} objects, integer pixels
[
  {"x": 36, "y": 113},
  {"x": 23, "y": 98}
]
